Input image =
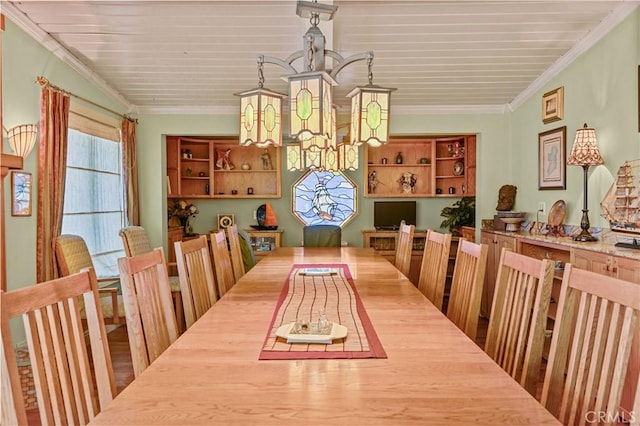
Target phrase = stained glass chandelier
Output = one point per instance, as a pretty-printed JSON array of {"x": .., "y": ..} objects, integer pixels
[{"x": 312, "y": 116}]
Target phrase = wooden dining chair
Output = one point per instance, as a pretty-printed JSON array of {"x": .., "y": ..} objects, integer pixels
[
  {"x": 590, "y": 348},
  {"x": 136, "y": 241},
  {"x": 196, "y": 277},
  {"x": 151, "y": 321},
  {"x": 466, "y": 286},
  {"x": 433, "y": 271},
  {"x": 221, "y": 262},
  {"x": 404, "y": 246},
  {"x": 515, "y": 337},
  {"x": 72, "y": 371},
  {"x": 235, "y": 251},
  {"x": 72, "y": 256}
]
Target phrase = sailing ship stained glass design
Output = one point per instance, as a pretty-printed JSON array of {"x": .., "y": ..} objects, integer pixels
[{"x": 324, "y": 197}]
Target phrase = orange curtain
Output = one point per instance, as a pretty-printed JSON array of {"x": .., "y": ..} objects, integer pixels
[
  {"x": 52, "y": 163},
  {"x": 130, "y": 170}
]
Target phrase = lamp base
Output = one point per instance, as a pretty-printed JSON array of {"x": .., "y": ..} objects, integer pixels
[{"x": 584, "y": 237}]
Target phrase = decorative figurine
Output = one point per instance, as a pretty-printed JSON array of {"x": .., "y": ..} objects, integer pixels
[
  {"x": 408, "y": 181},
  {"x": 224, "y": 160},
  {"x": 373, "y": 182},
  {"x": 266, "y": 160},
  {"x": 456, "y": 149}
]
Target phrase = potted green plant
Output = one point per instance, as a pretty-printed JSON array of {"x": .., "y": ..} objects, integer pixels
[{"x": 462, "y": 213}]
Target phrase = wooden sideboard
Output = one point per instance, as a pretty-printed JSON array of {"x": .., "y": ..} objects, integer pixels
[{"x": 601, "y": 257}]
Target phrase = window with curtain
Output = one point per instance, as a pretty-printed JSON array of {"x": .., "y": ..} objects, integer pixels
[{"x": 94, "y": 205}]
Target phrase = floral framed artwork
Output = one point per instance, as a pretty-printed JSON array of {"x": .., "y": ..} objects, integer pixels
[
  {"x": 20, "y": 194},
  {"x": 552, "y": 159},
  {"x": 553, "y": 105}
]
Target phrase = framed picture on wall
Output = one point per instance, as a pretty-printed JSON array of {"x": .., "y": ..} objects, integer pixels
[
  {"x": 552, "y": 159},
  {"x": 553, "y": 105},
  {"x": 20, "y": 194}
]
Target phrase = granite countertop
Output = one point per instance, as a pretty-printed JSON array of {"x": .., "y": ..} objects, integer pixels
[{"x": 605, "y": 244}]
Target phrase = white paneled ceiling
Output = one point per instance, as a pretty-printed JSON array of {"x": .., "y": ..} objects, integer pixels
[{"x": 192, "y": 56}]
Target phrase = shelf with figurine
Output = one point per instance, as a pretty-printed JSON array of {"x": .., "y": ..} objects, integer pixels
[
  {"x": 426, "y": 166},
  {"x": 218, "y": 167}
]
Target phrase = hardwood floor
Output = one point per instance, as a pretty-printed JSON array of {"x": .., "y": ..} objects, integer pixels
[{"x": 121, "y": 357}]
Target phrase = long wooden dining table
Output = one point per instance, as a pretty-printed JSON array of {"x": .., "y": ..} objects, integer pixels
[{"x": 433, "y": 373}]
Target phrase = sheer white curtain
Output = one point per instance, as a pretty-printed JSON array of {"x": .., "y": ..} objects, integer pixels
[{"x": 94, "y": 192}]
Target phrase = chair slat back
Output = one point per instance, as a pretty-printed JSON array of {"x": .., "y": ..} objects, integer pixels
[
  {"x": 69, "y": 388},
  {"x": 466, "y": 286},
  {"x": 197, "y": 283},
  {"x": 403, "y": 248},
  {"x": 222, "y": 262},
  {"x": 433, "y": 271},
  {"x": 515, "y": 337},
  {"x": 235, "y": 251},
  {"x": 151, "y": 320},
  {"x": 590, "y": 347},
  {"x": 135, "y": 240}
]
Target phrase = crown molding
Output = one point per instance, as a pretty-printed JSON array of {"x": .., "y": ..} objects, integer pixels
[
  {"x": 607, "y": 24},
  {"x": 49, "y": 43}
]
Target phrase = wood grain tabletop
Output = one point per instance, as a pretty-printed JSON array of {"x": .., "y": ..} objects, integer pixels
[{"x": 433, "y": 375}]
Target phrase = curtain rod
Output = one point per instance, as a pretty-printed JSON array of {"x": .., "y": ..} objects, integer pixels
[{"x": 42, "y": 81}]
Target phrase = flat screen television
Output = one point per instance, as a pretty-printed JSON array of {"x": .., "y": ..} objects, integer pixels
[{"x": 389, "y": 214}]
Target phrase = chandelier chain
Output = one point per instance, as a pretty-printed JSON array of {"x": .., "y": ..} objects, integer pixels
[
  {"x": 260, "y": 72},
  {"x": 370, "y": 68},
  {"x": 314, "y": 20},
  {"x": 310, "y": 52}
]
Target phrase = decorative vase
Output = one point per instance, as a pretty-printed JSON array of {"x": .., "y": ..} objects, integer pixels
[
  {"x": 399, "y": 158},
  {"x": 245, "y": 166},
  {"x": 184, "y": 222}
]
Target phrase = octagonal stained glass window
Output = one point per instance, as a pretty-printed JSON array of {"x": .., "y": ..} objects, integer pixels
[{"x": 324, "y": 197}]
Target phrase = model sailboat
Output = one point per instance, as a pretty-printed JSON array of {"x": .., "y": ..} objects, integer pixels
[{"x": 621, "y": 204}]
